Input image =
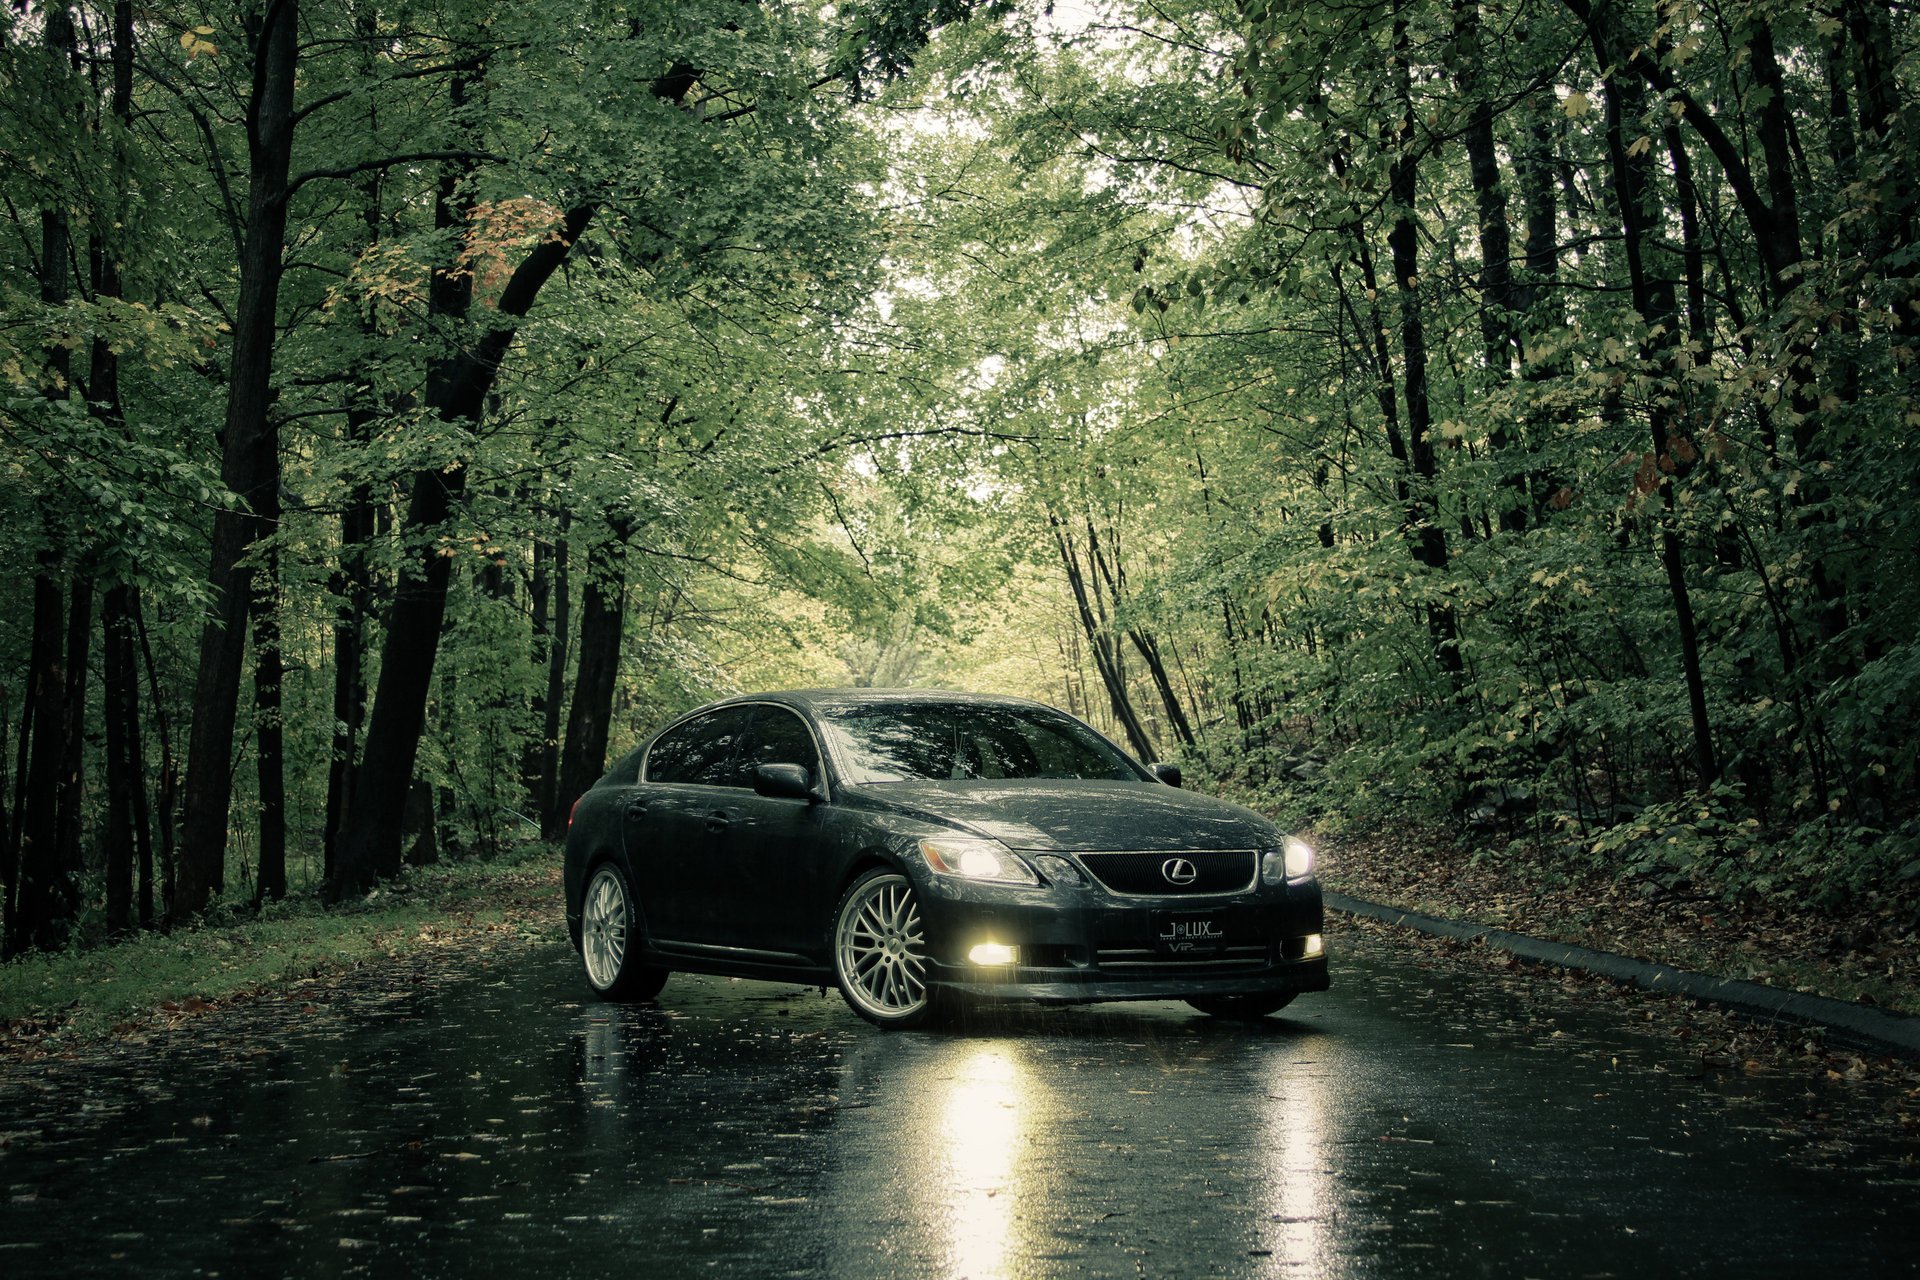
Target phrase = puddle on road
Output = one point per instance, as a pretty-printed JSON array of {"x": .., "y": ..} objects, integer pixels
[{"x": 1407, "y": 1123}]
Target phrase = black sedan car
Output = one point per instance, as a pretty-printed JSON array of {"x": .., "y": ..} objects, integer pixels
[{"x": 917, "y": 848}]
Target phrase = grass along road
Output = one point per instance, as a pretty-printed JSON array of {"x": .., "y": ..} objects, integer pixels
[{"x": 52, "y": 1003}]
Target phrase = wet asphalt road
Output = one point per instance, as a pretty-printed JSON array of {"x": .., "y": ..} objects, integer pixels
[{"x": 1410, "y": 1122}]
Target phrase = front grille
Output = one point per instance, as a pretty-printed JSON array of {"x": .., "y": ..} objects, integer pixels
[
  {"x": 1144, "y": 874},
  {"x": 1145, "y": 963}
]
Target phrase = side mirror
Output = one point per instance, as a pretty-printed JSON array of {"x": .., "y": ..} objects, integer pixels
[
  {"x": 784, "y": 781},
  {"x": 1167, "y": 773}
]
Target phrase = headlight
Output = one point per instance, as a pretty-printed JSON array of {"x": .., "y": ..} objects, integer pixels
[
  {"x": 1299, "y": 858},
  {"x": 1059, "y": 870},
  {"x": 971, "y": 858},
  {"x": 1293, "y": 860}
]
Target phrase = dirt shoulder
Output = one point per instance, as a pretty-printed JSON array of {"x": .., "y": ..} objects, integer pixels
[{"x": 1870, "y": 957}]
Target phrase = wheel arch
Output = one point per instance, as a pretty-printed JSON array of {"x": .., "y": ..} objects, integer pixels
[{"x": 591, "y": 864}]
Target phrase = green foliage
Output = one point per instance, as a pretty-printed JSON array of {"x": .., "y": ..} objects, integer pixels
[{"x": 880, "y": 321}]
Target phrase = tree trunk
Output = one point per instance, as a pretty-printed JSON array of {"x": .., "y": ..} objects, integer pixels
[
  {"x": 169, "y": 783},
  {"x": 352, "y": 583},
  {"x": 352, "y": 580},
  {"x": 269, "y": 729},
  {"x": 1106, "y": 657},
  {"x": 126, "y": 839},
  {"x": 551, "y": 634},
  {"x": 124, "y": 783},
  {"x": 1106, "y": 562},
  {"x": 1498, "y": 304},
  {"x": 73, "y": 753},
  {"x": 40, "y": 892},
  {"x": 250, "y": 461},
  {"x": 37, "y": 887},
  {"x": 1423, "y": 511},
  {"x": 457, "y": 392},
  {"x": 8, "y": 805},
  {"x": 1653, "y": 297},
  {"x": 602, "y": 615}
]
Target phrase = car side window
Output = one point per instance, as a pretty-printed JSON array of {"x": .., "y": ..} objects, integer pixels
[
  {"x": 701, "y": 751},
  {"x": 778, "y": 736}
]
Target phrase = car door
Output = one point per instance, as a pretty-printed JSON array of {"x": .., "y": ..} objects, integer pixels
[
  {"x": 675, "y": 825},
  {"x": 777, "y": 849}
]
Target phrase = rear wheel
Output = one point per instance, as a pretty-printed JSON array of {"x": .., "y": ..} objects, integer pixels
[
  {"x": 609, "y": 942},
  {"x": 880, "y": 952},
  {"x": 1242, "y": 1008}
]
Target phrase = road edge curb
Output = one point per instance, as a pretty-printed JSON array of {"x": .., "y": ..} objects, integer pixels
[{"x": 1855, "y": 1025}]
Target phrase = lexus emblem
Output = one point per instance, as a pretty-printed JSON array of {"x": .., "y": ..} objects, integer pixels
[{"x": 1179, "y": 871}]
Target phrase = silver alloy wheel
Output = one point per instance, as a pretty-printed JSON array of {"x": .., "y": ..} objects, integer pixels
[
  {"x": 880, "y": 949},
  {"x": 603, "y": 928}
]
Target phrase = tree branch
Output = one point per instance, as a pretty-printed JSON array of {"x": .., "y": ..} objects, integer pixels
[{"x": 385, "y": 162}]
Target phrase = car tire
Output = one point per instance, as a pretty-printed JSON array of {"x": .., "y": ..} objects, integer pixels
[
  {"x": 608, "y": 939},
  {"x": 1242, "y": 1008},
  {"x": 881, "y": 957}
]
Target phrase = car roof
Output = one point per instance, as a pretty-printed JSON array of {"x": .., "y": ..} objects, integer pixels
[{"x": 856, "y": 697}]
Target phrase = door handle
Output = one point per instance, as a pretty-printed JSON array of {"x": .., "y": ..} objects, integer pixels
[
  {"x": 637, "y": 809},
  {"x": 718, "y": 822}
]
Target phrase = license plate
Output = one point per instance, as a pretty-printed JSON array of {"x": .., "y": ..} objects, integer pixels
[{"x": 1187, "y": 932}]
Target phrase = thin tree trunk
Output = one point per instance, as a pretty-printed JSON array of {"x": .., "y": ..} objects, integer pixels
[
  {"x": 39, "y": 891},
  {"x": 269, "y": 729},
  {"x": 37, "y": 884},
  {"x": 352, "y": 579},
  {"x": 553, "y": 820},
  {"x": 602, "y": 617},
  {"x": 250, "y": 463},
  {"x": 1498, "y": 301},
  {"x": 124, "y": 783},
  {"x": 69, "y": 818},
  {"x": 7, "y": 858},
  {"x": 1100, "y": 642},
  {"x": 1107, "y": 563},
  {"x": 127, "y": 839},
  {"x": 352, "y": 583},
  {"x": 169, "y": 788},
  {"x": 1653, "y": 297},
  {"x": 1423, "y": 510}
]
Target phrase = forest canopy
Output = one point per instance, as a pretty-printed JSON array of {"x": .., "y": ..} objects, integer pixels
[{"x": 1492, "y": 418}]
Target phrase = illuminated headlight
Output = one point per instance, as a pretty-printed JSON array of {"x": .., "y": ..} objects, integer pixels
[
  {"x": 994, "y": 953},
  {"x": 1299, "y": 858},
  {"x": 970, "y": 858},
  {"x": 1293, "y": 860},
  {"x": 1314, "y": 946}
]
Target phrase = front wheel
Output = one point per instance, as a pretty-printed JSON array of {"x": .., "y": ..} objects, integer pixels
[
  {"x": 608, "y": 945},
  {"x": 880, "y": 951},
  {"x": 1242, "y": 1008}
]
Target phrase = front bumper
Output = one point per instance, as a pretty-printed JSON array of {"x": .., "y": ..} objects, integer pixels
[{"x": 1080, "y": 944}]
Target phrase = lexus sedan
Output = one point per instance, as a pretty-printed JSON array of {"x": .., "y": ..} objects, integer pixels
[{"x": 919, "y": 849}]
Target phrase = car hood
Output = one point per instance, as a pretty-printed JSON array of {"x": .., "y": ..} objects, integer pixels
[{"x": 1077, "y": 815}]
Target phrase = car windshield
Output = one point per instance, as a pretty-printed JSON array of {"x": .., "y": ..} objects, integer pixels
[{"x": 938, "y": 741}]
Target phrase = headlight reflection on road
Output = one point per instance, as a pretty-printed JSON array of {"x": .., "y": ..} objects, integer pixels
[
  {"x": 983, "y": 1132},
  {"x": 1297, "y": 1169}
]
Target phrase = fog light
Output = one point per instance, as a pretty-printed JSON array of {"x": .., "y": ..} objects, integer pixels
[
  {"x": 993, "y": 953},
  {"x": 1313, "y": 947}
]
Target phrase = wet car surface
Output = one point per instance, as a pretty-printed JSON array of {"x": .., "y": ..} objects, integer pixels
[
  {"x": 1408, "y": 1124},
  {"x": 918, "y": 849}
]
